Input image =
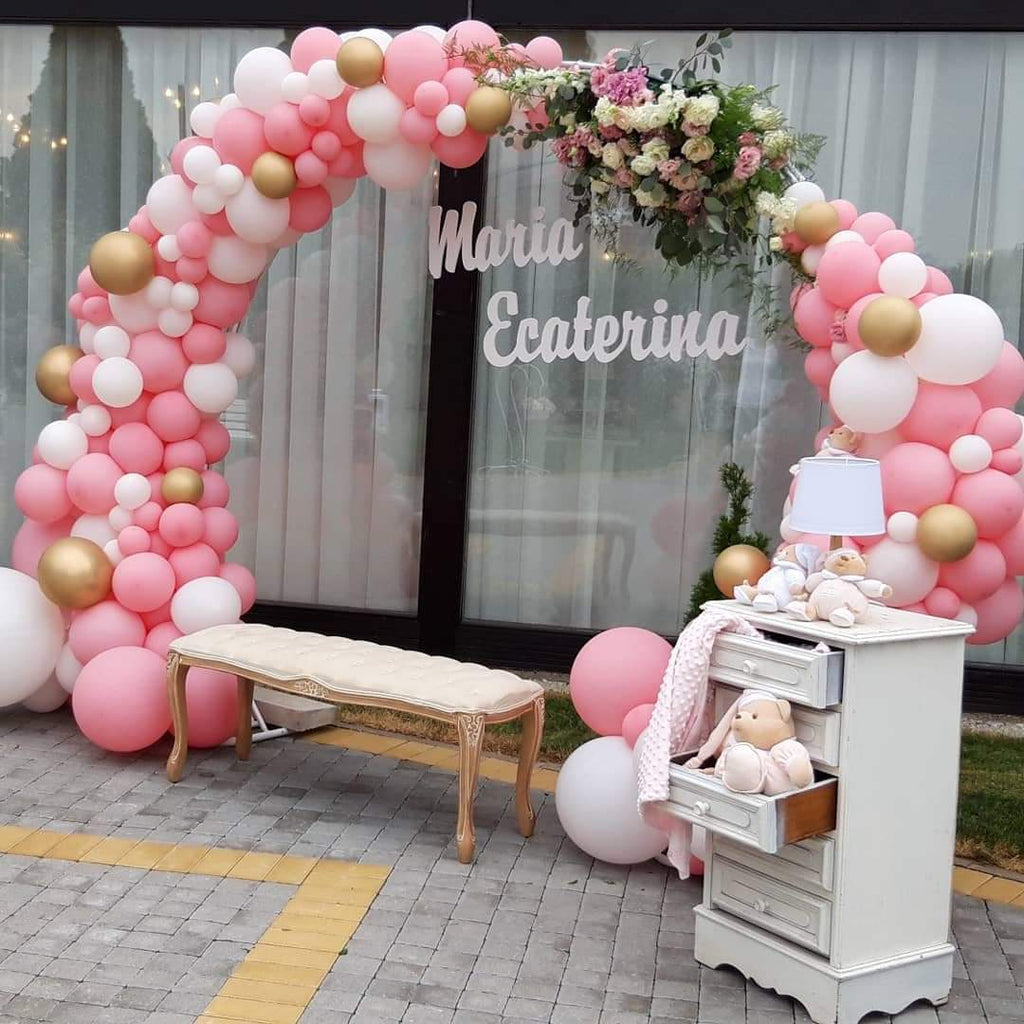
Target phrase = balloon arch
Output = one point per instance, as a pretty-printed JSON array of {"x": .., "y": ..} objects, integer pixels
[{"x": 126, "y": 522}]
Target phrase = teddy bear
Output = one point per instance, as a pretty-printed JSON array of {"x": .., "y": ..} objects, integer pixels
[
  {"x": 841, "y": 440},
  {"x": 838, "y": 591},
  {"x": 783, "y": 582},
  {"x": 756, "y": 747}
]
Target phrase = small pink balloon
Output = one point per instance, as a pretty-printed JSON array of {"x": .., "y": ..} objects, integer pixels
[
  {"x": 179, "y": 152},
  {"x": 285, "y": 130},
  {"x": 1002, "y": 385},
  {"x": 136, "y": 448},
  {"x": 417, "y": 128},
  {"x": 80, "y": 377},
  {"x": 871, "y": 226},
  {"x": 310, "y": 170},
  {"x": 181, "y": 524},
  {"x": 813, "y": 318},
  {"x": 156, "y": 481},
  {"x": 338, "y": 124},
  {"x": 134, "y": 413},
  {"x": 848, "y": 272},
  {"x": 313, "y": 44},
  {"x": 218, "y": 222},
  {"x": 943, "y": 603},
  {"x": 215, "y": 490},
  {"x": 162, "y": 614},
  {"x": 203, "y": 343},
  {"x": 939, "y": 282},
  {"x": 120, "y": 699},
  {"x": 212, "y": 701},
  {"x": 133, "y": 540},
  {"x": 614, "y": 672},
  {"x": 940, "y": 414},
  {"x": 998, "y": 614},
  {"x": 194, "y": 239},
  {"x": 819, "y": 367},
  {"x": 215, "y": 439},
  {"x": 976, "y": 575},
  {"x": 221, "y": 304},
  {"x": 430, "y": 98},
  {"x": 994, "y": 500},
  {"x": 194, "y": 562},
  {"x": 462, "y": 150},
  {"x": 161, "y": 360},
  {"x": 239, "y": 139},
  {"x": 101, "y": 627},
  {"x": 635, "y": 722},
  {"x": 1000, "y": 427},
  {"x": 851, "y": 325},
  {"x": 915, "y": 477},
  {"x": 147, "y": 517},
  {"x": 243, "y": 581},
  {"x": 188, "y": 454},
  {"x": 459, "y": 83},
  {"x": 917, "y": 606},
  {"x": 100, "y": 444},
  {"x": 326, "y": 145},
  {"x": 923, "y": 298},
  {"x": 1009, "y": 460},
  {"x": 847, "y": 213},
  {"x": 315, "y": 111},
  {"x": 1011, "y": 544},
  {"x": 893, "y": 241},
  {"x": 162, "y": 267},
  {"x": 41, "y": 493},
  {"x": 143, "y": 582},
  {"x": 76, "y": 304},
  {"x": 91, "y": 481},
  {"x": 97, "y": 310},
  {"x": 87, "y": 284},
  {"x": 32, "y": 539},
  {"x": 220, "y": 528},
  {"x": 310, "y": 209},
  {"x": 546, "y": 53},
  {"x": 411, "y": 59},
  {"x": 190, "y": 270},
  {"x": 172, "y": 417},
  {"x": 159, "y": 638}
]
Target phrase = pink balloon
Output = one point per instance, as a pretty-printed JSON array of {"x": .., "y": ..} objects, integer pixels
[
  {"x": 133, "y": 540},
  {"x": 921, "y": 298},
  {"x": 819, "y": 367},
  {"x": 179, "y": 152},
  {"x": 239, "y": 139},
  {"x": 76, "y": 304},
  {"x": 310, "y": 169},
  {"x": 851, "y": 325},
  {"x": 215, "y": 439},
  {"x": 977, "y": 575},
  {"x": 220, "y": 529},
  {"x": 215, "y": 490},
  {"x": 894, "y": 241},
  {"x": 136, "y": 448},
  {"x": 193, "y": 562},
  {"x": 941, "y": 414},
  {"x": 462, "y": 150},
  {"x": 158, "y": 615},
  {"x": 159, "y": 638},
  {"x": 459, "y": 83},
  {"x": 100, "y": 444},
  {"x": 32, "y": 539},
  {"x": 172, "y": 417},
  {"x": 1009, "y": 460},
  {"x": 338, "y": 124},
  {"x": 915, "y": 477},
  {"x": 635, "y": 722},
  {"x": 813, "y": 318},
  {"x": 212, "y": 701},
  {"x": 285, "y": 130},
  {"x": 416, "y": 127},
  {"x": 994, "y": 500},
  {"x": 315, "y": 111},
  {"x": 939, "y": 282},
  {"x": 943, "y": 603},
  {"x": 870, "y": 226},
  {"x": 188, "y": 454},
  {"x": 1000, "y": 427},
  {"x": 182, "y": 524},
  {"x": 847, "y": 213},
  {"x": 313, "y": 44},
  {"x": 101, "y": 627},
  {"x": 348, "y": 163},
  {"x": 218, "y": 222},
  {"x": 97, "y": 310},
  {"x": 998, "y": 614},
  {"x": 917, "y": 606},
  {"x": 411, "y": 59},
  {"x": 41, "y": 493},
  {"x": 310, "y": 208},
  {"x": 134, "y": 413},
  {"x": 614, "y": 672},
  {"x": 221, "y": 304},
  {"x": 147, "y": 517},
  {"x": 1011, "y": 544},
  {"x": 546, "y": 53},
  {"x": 143, "y": 582},
  {"x": 194, "y": 239},
  {"x": 203, "y": 343},
  {"x": 91, "y": 481},
  {"x": 1002, "y": 385},
  {"x": 156, "y": 481},
  {"x": 191, "y": 271},
  {"x": 80, "y": 377},
  {"x": 430, "y": 98},
  {"x": 326, "y": 145},
  {"x": 471, "y": 34},
  {"x": 848, "y": 272},
  {"x": 120, "y": 699},
  {"x": 86, "y": 282},
  {"x": 243, "y": 581},
  {"x": 161, "y": 360}
]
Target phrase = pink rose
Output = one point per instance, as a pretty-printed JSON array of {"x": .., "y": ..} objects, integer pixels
[
  {"x": 693, "y": 131},
  {"x": 747, "y": 162},
  {"x": 747, "y": 139},
  {"x": 838, "y": 329},
  {"x": 624, "y": 177}
]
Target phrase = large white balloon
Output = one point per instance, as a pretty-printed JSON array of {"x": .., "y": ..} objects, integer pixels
[
  {"x": 203, "y": 602},
  {"x": 596, "y": 802},
  {"x": 62, "y": 443},
  {"x": 904, "y": 274},
  {"x": 397, "y": 164},
  {"x": 324, "y": 79},
  {"x": 201, "y": 164},
  {"x": 960, "y": 341},
  {"x": 204, "y": 118},
  {"x": 374, "y": 113},
  {"x": 872, "y": 393},
  {"x": 133, "y": 312},
  {"x": 117, "y": 382},
  {"x": 234, "y": 260},
  {"x": 169, "y": 203},
  {"x": 258, "y": 78},
  {"x": 50, "y": 696},
  {"x": 132, "y": 491},
  {"x": 210, "y": 387},
  {"x": 804, "y": 192},
  {"x": 94, "y": 528},
  {"x": 905, "y": 568},
  {"x": 255, "y": 217},
  {"x": 31, "y": 636}
]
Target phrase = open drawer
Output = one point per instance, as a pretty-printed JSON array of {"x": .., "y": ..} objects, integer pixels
[{"x": 764, "y": 822}]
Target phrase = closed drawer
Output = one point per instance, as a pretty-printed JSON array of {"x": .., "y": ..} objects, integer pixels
[
  {"x": 816, "y": 729},
  {"x": 800, "y": 674},
  {"x": 809, "y": 864},
  {"x": 764, "y": 822},
  {"x": 779, "y": 908}
]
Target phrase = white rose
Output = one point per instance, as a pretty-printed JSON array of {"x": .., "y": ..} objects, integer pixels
[
  {"x": 657, "y": 149},
  {"x": 775, "y": 244},
  {"x": 599, "y": 187},
  {"x": 765, "y": 117},
  {"x": 605, "y": 111},
  {"x": 702, "y": 110},
  {"x": 611, "y": 156},
  {"x": 698, "y": 149},
  {"x": 643, "y": 165}
]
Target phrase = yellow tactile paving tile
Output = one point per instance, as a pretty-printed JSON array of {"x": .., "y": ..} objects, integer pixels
[
  {"x": 109, "y": 851},
  {"x": 73, "y": 847},
  {"x": 544, "y": 779},
  {"x": 275, "y": 936},
  {"x": 217, "y": 861},
  {"x": 146, "y": 854},
  {"x": 966, "y": 880},
  {"x": 255, "y": 866},
  {"x": 11, "y": 835},
  {"x": 268, "y": 991},
  {"x": 313, "y": 924},
  {"x": 181, "y": 858},
  {"x": 320, "y": 908},
  {"x": 999, "y": 890},
  {"x": 500, "y": 771},
  {"x": 369, "y": 742},
  {"x": 253, "y": 1012},
  {"x": 37, "y": 843},
  {"x": 279, "y": 974},
  {"x": 289, "y": 956},
  {"x": 291, "y": 870}
]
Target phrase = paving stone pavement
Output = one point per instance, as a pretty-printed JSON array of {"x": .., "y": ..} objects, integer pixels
[{"x": 533, "y": 931}]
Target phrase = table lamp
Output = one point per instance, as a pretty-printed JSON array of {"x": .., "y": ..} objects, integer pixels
[{"x": 838, "y": 495}]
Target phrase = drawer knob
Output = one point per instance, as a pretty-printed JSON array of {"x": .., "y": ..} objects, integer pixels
[
  {"x": 761, "y": 906},
  {"x": 701, "y": 807},
  {"x": 749, "y": 666}
]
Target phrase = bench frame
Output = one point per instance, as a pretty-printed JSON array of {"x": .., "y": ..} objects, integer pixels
[{"x": 470, "y": 727}]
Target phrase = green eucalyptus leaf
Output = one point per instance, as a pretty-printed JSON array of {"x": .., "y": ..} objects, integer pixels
[{"x": 713, "y": 205}]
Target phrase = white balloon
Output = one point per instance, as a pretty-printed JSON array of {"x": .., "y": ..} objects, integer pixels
[
  {"x": 234, "y": 260},
  {"x": 324, "y": 80},
  {"x": 844, "y": 236},
  {"x": 94, "y": 528},
  {"x": 62, "y": 443},
  {"x": 904, "y": 274},
  {"x": 132, "y": 491},
  {"x": 200, "y": 164},
  {"x": 31, "y": 636},
  {"x": 50, "y": 696},
  {"x": 810, "y": 258},
  {"x": 86, "y": 334},
  {"x": 378, "y": 35},
  {"x": 374, "y": 114},
  {"x": 451, "y": 121},
  {"x": 158, "y": 292},
  {"x": 397, "y": 164},
  {"x": 596, "y": 798},
  {"x": 340, "y": 189},
  {"x": 960, "y": 341},
  {"x": 229, "y": 179},
  {"x": 970, "y": 454},
  {"x": 204, "y": 118},
  {"x": 112, "y": 551},
  {"x": 204, "y": 602},
  {"x": 905, "y": 568},
  {"x": 841, "y": 350},
  {"x": 174, "y": 322},
  {"x": 902, "y": 527},
  {"x": 95, "y": 420},
  {"x": 111, "y": 341},
  {"x": 67, "y": 669},
  {"x": 872, "y": 393},
  {"x": 184, "y": 296},
  {"x": 208, "y": 199},
  {"x": 229, "y": 101},
  {"x": 433, "y": 31},
  {"x": 239, "y": 355},
  {"x": 133, "y": 312},
  {"x": 258, "y": 78},
  {"x": 210, "y": 387},
  {"x": 168, "y": 248},
  {"x": 256, "y": 218},
  {"x": 117, "y": 382},
  {"x": 169, "y": 203},
  {"x": 804, "y": 192},
  {"x": 295, "y": 86},
  {"x": 118, "y": 518}
]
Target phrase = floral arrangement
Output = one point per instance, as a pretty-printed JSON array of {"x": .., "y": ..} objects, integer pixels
[{"x": 703, "y": 162}]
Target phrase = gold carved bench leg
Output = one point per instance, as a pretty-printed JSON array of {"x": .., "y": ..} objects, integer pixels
[
  {"x": 243, "y": 733},
  {"x": 471, "y": 740},
  {"x": 533, "y": 730},
  {"x": 176, "y": 672}
]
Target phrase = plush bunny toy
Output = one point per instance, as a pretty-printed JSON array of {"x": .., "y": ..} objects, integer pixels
[
  {"x": 838, "y": 591},
  {"x": 756, "y": 748},
  {"x": 783, "y": 582}
]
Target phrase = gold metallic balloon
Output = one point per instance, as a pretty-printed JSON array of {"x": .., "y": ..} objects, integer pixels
[
  {"x": 122, "y": 262},
  {"x": 740, "y": 563},
  {"x": 360, "y": 62},
  {"x": 816, "y": 223},
  {"x": 889, "y": 325},
  {"x": 488, "y": 109},
  {"x": 946, "y": 533},
  {"x": 274, "y": 175},
  {"x": 74, "y": 573},
  {"x": 54, "y": 371},
  {"x": 181, "y": 484}
]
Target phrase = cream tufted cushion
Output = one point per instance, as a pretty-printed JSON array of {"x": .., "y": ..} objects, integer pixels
[{"x": 357, "y": 668}]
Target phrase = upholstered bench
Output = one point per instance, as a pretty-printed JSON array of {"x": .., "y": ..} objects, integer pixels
[{"x": 342, "y": 671}]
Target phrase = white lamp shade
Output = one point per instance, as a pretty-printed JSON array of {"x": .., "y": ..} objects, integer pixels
[{"x": 838, "y": 496}]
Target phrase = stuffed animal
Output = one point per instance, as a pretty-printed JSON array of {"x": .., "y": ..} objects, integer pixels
[
  {"x": 783, "y": 582},
  {"x": 838, "y": 591},
  {"x": 756, "y": 748},
  {"x": 841, "y": 440}
]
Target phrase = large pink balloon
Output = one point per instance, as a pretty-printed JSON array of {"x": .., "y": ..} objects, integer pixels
[
  {"x": 848, "y": 272},
  {"x": 977, "y": 575},
  {"x": 915, "y": 477},
  {"x": 41, "y": 493},
  {"x": 893, "y": 241},
  {"x": 242, "y": 580},
  {"x": 614, "y": 672},
  {"x": 172, "y": 417},
  {"x": 813, "y": 317},
  {"x": 903, "y": 566},
  {"x": 32, "y": 539},
  {"x": 1002, "y": 385},
  {"x": 182, "y": 524},
  {"x": 120, "y": 699},
  {"x": 941, "y": 414},
  {"x": 466, "y": 35},
  {"x": 994, "y": 500},
  {"x": 143, "y": 582},
  {"x": 310, "y": 208},
  {"x": 999, "y": 613},
  {"x": 91, "y": 483},
  {"x": 212, "y": 701},
  {"x": 136, "y": 448},
  {"x": 159, "y": 638},
  {"x": 819, "y": 367},
  {"x": 851, "y": 325},
  {"x": 286, "y": 131},
  {"x": 161, "y": 360},
  {"x": 460, "y": 150},
  {"x": 194, "y": 561},
  {"x": 221, "y": 304},
  {"x": 410, "y": 59},
  {"x": 313, "y": 44},
  {"x": 1011, "y": 544},
  {"x": 239, "y": 139},
  {"x": 101, "y": 627},
  {"x": 871, "y": 226}
]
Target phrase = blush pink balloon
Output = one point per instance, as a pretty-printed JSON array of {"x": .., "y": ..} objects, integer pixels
[
  {"x": 194, "y": 239},
  {"x": 416, "y": 127},
  {"x": 635, "y": 722},
  {"x": 430, "y": 98},
  {"x": 819, "y": 367},
  {"x": 32, "y": 539},
  {"x": 100, "y": 444},
  {"x": 215, "y": 439},
  {"x": 159, "y": 638},
  {"x": 243, "y": 581},
  {"x": 871, "y": 226},
  {"x": 221, "y": 304},
  {"x": 80, "y": 377},
  {"x": 315, "y": 111},
  {"x": 143, "y": 582},
  {"x": 313, "y": 44},
  {"x": 75, "y": 305},
  {"x": 614, "y": 672},
  {"x": 161, "y": 360},
  {"x": 942, "y": 602},
  {"x": 239, "y": 139},
  {"x": 193, "y": 562},
  {"x": 1009, "y": 460},
  {"x": 893, "y": 241},
  {"x": 220, "y": 528},
  {"x": 848, "y": 272},
  {"x": 994, "y": 500},
  {"x": 147, "y": 516},
  {"x": 96, "y": 310},
  {"x": 851, "y": 324},
  {"x": 101, "y": 627},
  {"x": 411, "y": 59},
  {"x": 136, "y": 448},
  {"x": 998, "y": 614},
  {"x": 976, "y": 575},
  {"x": 182, "y": 524},
  {"x": 215, "y": 490},
  {"x": 1000, "y": 427},
  {"x": 348, "y": 163},
  {"x": 189, "y": 454},
  {"x": 461, "y": 150},
  {"x": 1002, "y": 385},
  {"x": 190, "y": 270},
  {"x": 847, "y": 212},
  {"x": 134, "y": 413},
  {"x": 915, "y": 477},
  {"x": 471, "y": 35},
  {"x": 179, "y": 152},
  {"x": 212, "y": 701},
  {"x": 813, "y": 318},
  {"x": 120, "y": 699},
  {"x": 218, "y": 223},
  {"x": 87, "y": 283},
  {"x": 133, "y": 540},
  {"x": 337, "y": 122},
  {"x": 326, "y": 145},
  {"x": 1011, "y": 544},
  {"x": 310, "y": 170},
  {"x": 546, "y": 53},
  {"x": 940, "y": 414},
  {"x": 459, "y": 83},
  {"x": 203, "y": 343},
  {"x": 285, "y": 130},
  {"x": 922, "y": 298},
  {"x": 41, "y": 493},
  {"x": 938, "y": 282},
  {"x": 172, "y": 417},
  {"x": 158, "y": 615},
  {"x": 310, "y": 208},
  {"x": 91, "y": 481}
]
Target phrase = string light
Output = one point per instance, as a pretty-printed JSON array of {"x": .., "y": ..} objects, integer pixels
[
  {"x": 195, "y": 90},
  {"x": 169, "y": 92}
]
